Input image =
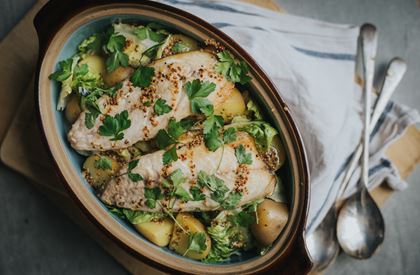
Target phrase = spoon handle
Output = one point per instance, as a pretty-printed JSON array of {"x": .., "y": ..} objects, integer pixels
[
  {"x": 394, "y": 73},
  {"x": 369, "y": 41}
]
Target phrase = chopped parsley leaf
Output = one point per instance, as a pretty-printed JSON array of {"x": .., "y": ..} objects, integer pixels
[
  {"x": 196, "y": 88},
  {"x": 175, "y": 129},
  {"x": 180, "y": 47},
  {"x": 196, "y": 194},
  {"x": 114, "y": 126},
  {"x": 232, "y": 200},
  {"x": 103, "y": 163},
  {"x": 114, "y": 48},
  {"x": 152, "y": 195},
  {"x": 231, "y": 69},
  {"x": 170, "y": 155},
  {"x": 242, "y": 156},
  {"x": 133, "y": 176},
  {"x": 196, "y": 242},
  {"x": 161, "y": 107},
  {"x": 142, "y": 76},
  {"x": 213, "y": 140},
  {"x": 202, "y": 105},
  {"x": 219, "y": 189},
  {"x": 163, "y": 139},
  {"x": 213, "y": 122},
  {"x": 64, "y": 70},
  {"x": 229, "y": 135}
]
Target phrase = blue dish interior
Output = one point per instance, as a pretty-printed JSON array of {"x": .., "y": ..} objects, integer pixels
[{"x": 69, "y": 49}]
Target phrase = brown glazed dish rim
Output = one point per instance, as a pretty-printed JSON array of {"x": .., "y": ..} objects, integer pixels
[{"x": 55, "y": 23}]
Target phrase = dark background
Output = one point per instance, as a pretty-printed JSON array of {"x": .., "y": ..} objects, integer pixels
[{"x": 36, "y": 238}]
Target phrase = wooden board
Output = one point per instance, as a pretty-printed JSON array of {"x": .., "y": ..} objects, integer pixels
[{"x": 22, "y": 149}]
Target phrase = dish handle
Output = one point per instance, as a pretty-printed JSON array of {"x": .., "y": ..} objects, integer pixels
[
  {"x": 296, "y": 262},
  {"x": 52, "y": 16}
]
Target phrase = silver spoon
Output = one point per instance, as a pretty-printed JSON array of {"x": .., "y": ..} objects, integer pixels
[
  {"x": 360, "y": 225},
  {"x": 322, "y": 243}
]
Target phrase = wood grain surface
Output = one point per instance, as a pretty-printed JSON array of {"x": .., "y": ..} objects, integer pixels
[{"x": 22, "y": 151}]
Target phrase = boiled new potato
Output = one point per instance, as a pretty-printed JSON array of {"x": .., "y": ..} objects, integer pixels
[
  {"x": 158, "y": 232},
  {"x": 73, "y": 109},
  {"x": 272, "y": 218},
  {"x": 179, "y": 240},
  {"x": 96, "y": 64},
  {"x": 117, "y": 75},
  {"x": 96, "y": 174},
  {"x": 188, "y": 43},
  {"x": 278, "y": 156},
  {"x": 233, "y": 106}
]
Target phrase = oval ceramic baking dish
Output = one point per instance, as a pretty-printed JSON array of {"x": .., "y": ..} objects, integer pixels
[{"x": 60, "y": 28}]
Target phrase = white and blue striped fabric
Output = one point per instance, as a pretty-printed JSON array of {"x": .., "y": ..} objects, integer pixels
[{"x": 313, "y": 65}]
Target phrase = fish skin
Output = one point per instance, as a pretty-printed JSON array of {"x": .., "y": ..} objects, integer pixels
[
  {"x": 124, "y": 193},
  {"x": 144, "y": 122}
]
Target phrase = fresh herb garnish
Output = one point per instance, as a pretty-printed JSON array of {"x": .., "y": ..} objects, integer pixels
[
  {"x": 91, "y": 45},
  {"x": 197, "y": 92},
  {"x": 175, "y": 129},
  {"x": 196, "y": 88},
  {"x": 196, "y": 242},
  {"x": 202, "y": 105},
  {"x": 146, "y": 32},
  {"x": 88, "y": 102},
  {"x": 180, "y": 47},
  {"x": 231, "y": 201},
  {"x": 115, "y": 49},
  {"x": 229, "y": 135},
  {"x": 133, "y": 176},
  {"x": 165, "y": 138},
  {"x": 64, "y": 70},
  {"x": 242, "y": 156},
  {"x": 183, "y": 194},
  {"x": 152, "y": 195},
  {"x": 114, "y": 126},
  {"x": 151, "y": 52},
  {"x": 103, "y": 163},
  {"x": 173, "y": 184},
  {"x": 213, "y": 140},
  {"x": 142, "y": 76},
  {"x": 187, "y": 123},
  {"x": 161, "y": 107},
  {"x": 170, "y": 155},
  {"x": 196, "y": 193},
  {"x": 218, "y": 190},
  {"x": 213, "y": 122},
  {"x": 231, "y": 69},
  {"x": 262, "y": 132}
]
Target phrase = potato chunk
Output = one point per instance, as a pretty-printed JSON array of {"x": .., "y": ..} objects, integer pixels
[
  {"x": 180, "y": 239},
  {"x": 272, "y": 218},
  {"x": 95, "y": 63},
  {"x": 97, "y": 174},
  {"x": 73, "y": 109},
  {"x": 117, "y": 75},
  {"x": 233, "y": 106},
  {"x": 158, "y": 232}
]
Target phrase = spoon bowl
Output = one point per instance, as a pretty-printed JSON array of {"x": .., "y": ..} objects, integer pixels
[
  {"x": 361, "y": 226},
  {"x": 322, "y": 242}
]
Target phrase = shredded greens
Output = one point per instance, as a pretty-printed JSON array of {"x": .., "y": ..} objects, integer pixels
[
  {"x": 262, "y": 132},
  {"x": 136, "y": 217},
  {"x": 228, "y": 238}
]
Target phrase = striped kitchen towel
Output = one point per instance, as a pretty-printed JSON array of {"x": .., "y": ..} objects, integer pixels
[{"x": 313, "y": 65}]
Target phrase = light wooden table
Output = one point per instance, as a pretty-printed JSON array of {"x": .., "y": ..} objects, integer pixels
[{"x": 65, "y": 249}]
